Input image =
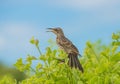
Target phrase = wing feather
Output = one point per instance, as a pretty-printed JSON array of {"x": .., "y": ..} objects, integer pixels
[{"x": 67, "y": 45}]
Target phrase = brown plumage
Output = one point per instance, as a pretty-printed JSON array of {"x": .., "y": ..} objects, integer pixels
[{"x": 66, "y": 45}]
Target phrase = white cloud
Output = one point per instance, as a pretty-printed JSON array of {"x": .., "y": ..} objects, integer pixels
[
  {"x": 18, "y": 30},
  {"x": 77, "y": 4},
  {"x": 14, "y": 40},
  {"x": 85, "y": 4},
  {"x": 99, "y": 10},
  {"x": 106, "y": 10},
  {"x": 15, "y": 36},
  {"x": 2, "y": 42}
]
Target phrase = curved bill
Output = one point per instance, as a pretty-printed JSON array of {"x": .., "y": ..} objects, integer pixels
[{"x": 49, "y": 29}]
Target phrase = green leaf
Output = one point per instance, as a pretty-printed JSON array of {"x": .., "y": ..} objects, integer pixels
[
  {"x": 30, "y": 58},
  {"x": 115, "y": 58},
  {"x": 39, "y": 66},
  {"x": 115, "y": 36},
  {"x": 32, "y": 40}
]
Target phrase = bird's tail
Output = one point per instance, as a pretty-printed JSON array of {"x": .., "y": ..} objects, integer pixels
[{"x": 74, "y": 62}]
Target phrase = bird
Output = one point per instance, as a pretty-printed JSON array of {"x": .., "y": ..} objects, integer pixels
[{"x": 68, "y": 47}]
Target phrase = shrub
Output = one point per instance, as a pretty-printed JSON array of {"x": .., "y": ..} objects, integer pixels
[{"x": 101, "y": 65}]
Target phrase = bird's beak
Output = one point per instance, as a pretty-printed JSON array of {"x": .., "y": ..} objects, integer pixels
[{"x": 50, "y": 30}]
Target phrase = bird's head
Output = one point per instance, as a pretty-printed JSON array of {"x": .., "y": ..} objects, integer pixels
[{"x": 57, "y": 31}]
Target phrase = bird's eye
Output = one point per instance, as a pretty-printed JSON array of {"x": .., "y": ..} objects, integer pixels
[{"x": 56, "y": 30}]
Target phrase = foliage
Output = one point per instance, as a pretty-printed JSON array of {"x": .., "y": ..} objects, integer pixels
[
  {"x": 10, "y": 73},
  {"x": 101, "y": 65},
  {"x": 7, "y": 80}
]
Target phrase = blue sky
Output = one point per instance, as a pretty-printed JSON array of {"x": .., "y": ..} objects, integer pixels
[{"x": 81, "y": 20}]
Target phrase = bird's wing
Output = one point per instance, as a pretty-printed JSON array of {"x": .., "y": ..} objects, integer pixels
[{"x": 68, "y": 44}]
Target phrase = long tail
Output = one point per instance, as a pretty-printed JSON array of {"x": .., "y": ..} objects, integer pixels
[{"x": 74, "y": 62}]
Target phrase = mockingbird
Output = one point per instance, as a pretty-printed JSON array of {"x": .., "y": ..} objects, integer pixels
[{"x": 67, "y": 46}]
